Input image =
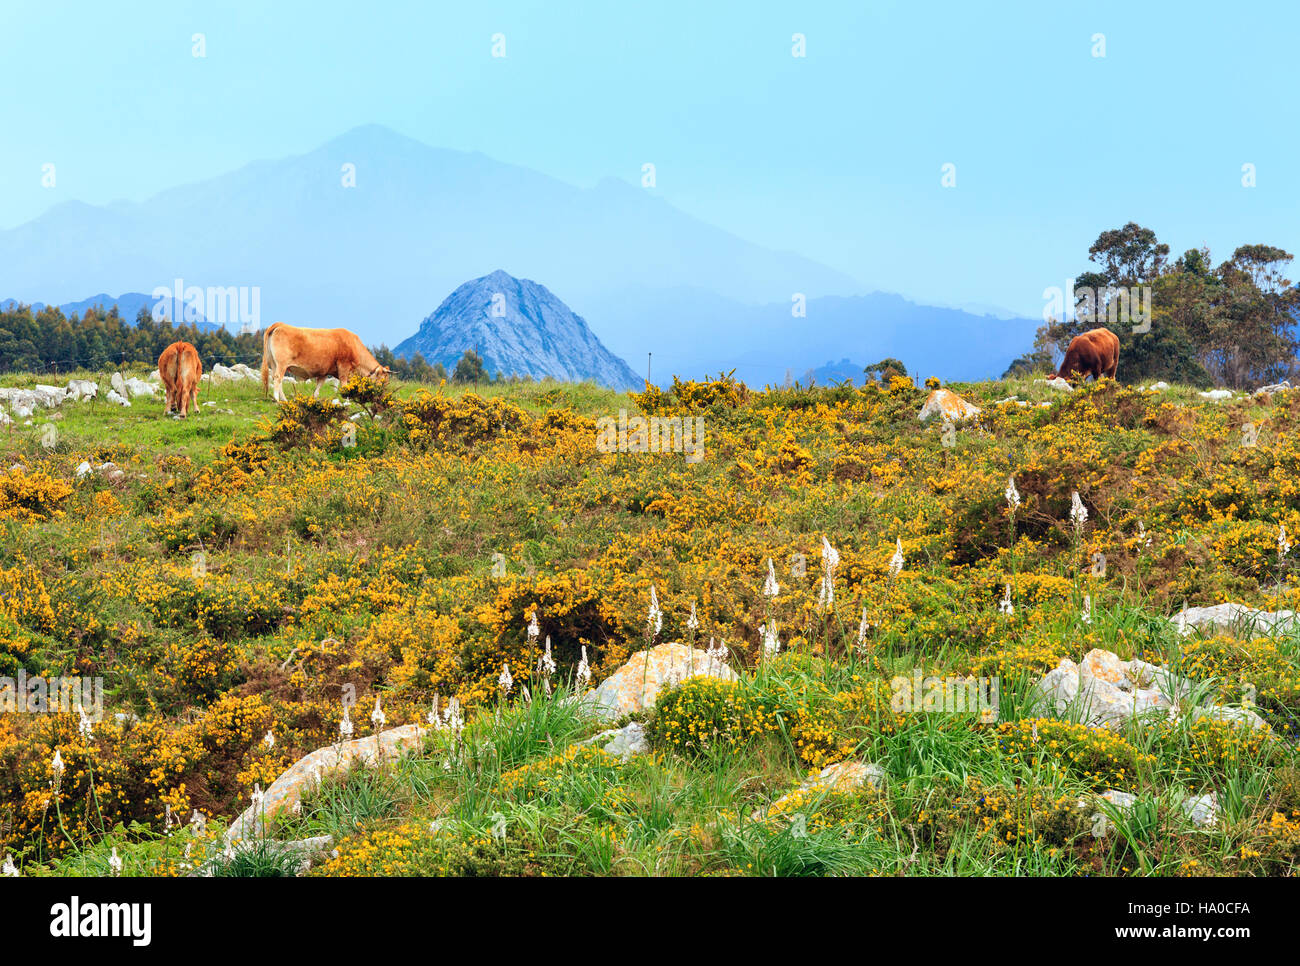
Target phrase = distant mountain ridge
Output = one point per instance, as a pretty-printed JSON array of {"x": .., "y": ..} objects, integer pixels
[
  {"x": 419, "y": 219},
  {"x": 518, "y": 326},
  {"x": 648, "y": 277},
  {"x": 693, "y": 334},
  {"x": 128, "y": 305}
]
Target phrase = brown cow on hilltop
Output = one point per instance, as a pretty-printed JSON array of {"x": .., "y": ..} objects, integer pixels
[
  {"x": 315, "y": 354},
  {"x": 1093, "y": 353},
  {"x": 180, "y": 369}
]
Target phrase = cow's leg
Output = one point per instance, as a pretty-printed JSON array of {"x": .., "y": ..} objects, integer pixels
[
  {"x": 320, "y": 381},
  {"x": 278, "y": 384}
]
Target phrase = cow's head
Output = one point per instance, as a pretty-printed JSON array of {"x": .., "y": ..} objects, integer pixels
[{"x": 382, "y": 373}]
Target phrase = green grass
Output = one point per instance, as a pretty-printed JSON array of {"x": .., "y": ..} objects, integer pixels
[{"x": 371, "y": 547}]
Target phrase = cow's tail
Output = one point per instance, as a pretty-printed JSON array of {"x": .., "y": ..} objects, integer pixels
[{"x": 266, "y": 356}]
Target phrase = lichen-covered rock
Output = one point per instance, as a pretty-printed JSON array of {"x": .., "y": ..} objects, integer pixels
[
  {"x": 624, "y": 742},
  {"x": 1057, "y": 383},
  {"x": 1232, "y": 715},
  {"x": 306, "y": 773},
  {"x": 1203, "y": 810},
  {"x": 81, "y": 389},
  {"x": 842, "y": 776},
  {"x": 636, "y": 685},
  {"x": 1233, "y": 617},
  {"x": 1103, "y": 666},
  {"x": 1105, "y": 691},
  {"x": 948, "y": 405}
]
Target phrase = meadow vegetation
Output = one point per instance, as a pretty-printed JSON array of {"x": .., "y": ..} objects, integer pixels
[{"x": 252, "y": 566}]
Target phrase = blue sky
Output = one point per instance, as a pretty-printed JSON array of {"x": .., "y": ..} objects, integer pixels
[{"x": 836, "y": 155}]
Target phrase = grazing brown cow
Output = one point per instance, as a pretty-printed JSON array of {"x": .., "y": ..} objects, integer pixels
[
  {"x": 1093, "y": 353},
  {"x": 315, "y": 354},
  {"x": 180, "y": 368}
]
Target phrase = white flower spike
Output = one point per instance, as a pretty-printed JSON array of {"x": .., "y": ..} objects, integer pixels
[
  {"x": 770, "y": 587},
  {"x": 584, "y": 669},
  {"x": 655, "y": 617},
  {"x": 1006, "y": 606},
  {"x": 1078, "y": 512}
]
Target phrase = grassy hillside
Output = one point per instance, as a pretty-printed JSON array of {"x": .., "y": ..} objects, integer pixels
[{"x": 249, "y": 568}]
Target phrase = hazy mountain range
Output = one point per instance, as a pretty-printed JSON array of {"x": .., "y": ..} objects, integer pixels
[{"x": 420, "y": 221}]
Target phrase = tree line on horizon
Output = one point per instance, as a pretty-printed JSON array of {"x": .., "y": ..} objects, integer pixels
[
  {"x": 1228, "y": 325},
  {"x": 50, "y": 342}
]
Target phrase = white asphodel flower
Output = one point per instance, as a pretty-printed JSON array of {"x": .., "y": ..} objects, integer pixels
[
  {"x": 896, "y": 561},
  {"x": 830, "y": 556},
  {"x": 717, "y": 654},
  {"x": 433, "y": 717},
  {"x": 534, "y": 631},
  {"x": 377, "y": 717},
  {"x": 115, "y": 863},
  {"x": 9, "y": 870},
  {"x": 345, "y": 726},
  {"x": 83, "y": 725},
  {"x": 770, "y": 587},
  {"x": 692, "y": 622},
  {"x": 771, "y": 642},
  {"x": 1143, "y": 538},
  {"x": 1086, "y": 616},
  {"x": 1283, "y": 544},
  {"x": 863, "y": 627},
  {"x": 1013, "y": 495},
  {"x": 655, "y": 617},
  {"x": 505, "y": 681},
  {"x": 584, "y": 669},
  {"x": 1005, "y": 606},
  {"x": 1078, "y": 512},
  {"x": 198, "y": 823},
  {"x": 269, "y": 740},
  {"x": 57, "y": 766},
  {"x": 547, "y": 663},
  {"x": 257, "y": 797},
  {"x": 455, "y": 721}
]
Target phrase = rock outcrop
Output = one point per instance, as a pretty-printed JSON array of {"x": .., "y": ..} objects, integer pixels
[
  {"x": 636, "y": 685},
  {"x": 307, "y": 773},
  {"x": 1105, "y": 691},
  {"x": 947, "y": 405},
  {"x": 1237, "y": 618},
  {"x": 842, "y": 776}
]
